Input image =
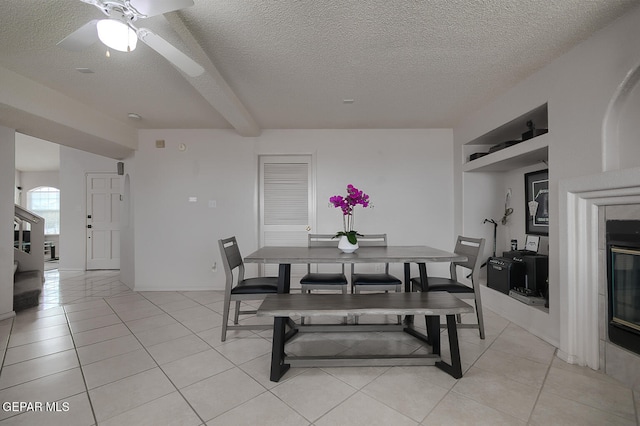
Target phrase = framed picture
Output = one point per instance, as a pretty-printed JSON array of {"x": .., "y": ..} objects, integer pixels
[
  {"x": 532, "y": 243},
  {"x": 536, "y": 191}
]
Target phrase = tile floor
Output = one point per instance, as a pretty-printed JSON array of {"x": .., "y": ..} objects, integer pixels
[{"x": 110, "y": 356}]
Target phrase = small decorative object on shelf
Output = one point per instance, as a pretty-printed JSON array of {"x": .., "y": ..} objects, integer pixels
[
  {"x": 349, "y": 237},
  {"x": 477, "y": 155},
  {"x": 532, "y": 132}
]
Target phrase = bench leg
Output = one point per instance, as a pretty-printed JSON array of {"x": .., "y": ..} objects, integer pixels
[
  {"x": 278, "y": 367},
  {"x": 455, "y": 368},
  {"x": 433, "y": 332}
]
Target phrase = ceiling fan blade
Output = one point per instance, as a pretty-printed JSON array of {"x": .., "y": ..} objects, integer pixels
[
  {"x": 171, "y": 53},
  {"x": 81, "y": 38},
  {"x": 157, "y": 7}
]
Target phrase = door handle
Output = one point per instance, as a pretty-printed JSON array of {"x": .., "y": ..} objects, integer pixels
[{"x": 89, "y": 226}]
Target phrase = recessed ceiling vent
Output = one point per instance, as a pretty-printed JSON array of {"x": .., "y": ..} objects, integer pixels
[{"x": 84, "y": 70}]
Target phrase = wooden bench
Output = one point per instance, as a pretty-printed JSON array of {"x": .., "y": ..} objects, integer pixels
[{"x": 431, "y": 305}]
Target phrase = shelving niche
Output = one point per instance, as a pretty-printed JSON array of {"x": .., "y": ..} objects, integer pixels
[
  {"x": 531, "y": 151},
  {"x": 526, "y": 153}
]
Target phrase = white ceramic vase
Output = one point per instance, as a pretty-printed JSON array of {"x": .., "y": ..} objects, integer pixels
[{"x": 346, "y": 246}]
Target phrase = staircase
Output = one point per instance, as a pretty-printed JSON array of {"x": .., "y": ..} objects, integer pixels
[{"x": 28, "y": 258}]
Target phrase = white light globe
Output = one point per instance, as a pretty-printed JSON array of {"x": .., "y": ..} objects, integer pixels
[{"x": 117, "y": 35}]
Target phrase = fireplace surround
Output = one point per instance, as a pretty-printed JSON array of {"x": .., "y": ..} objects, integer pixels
[
  {"x": 584, "y": 333},
  {"x": 623, "y": 283}
]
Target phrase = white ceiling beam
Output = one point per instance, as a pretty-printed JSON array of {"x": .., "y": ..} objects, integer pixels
[{"x": 213, "y": 88}]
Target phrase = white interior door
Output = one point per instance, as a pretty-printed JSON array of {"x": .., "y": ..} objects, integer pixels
[
  {"x": 287, "y": 210},
  {"x": 103, "y": 221}
]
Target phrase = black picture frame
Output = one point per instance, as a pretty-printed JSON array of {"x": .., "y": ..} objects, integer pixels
[{"x": 536, "y": 206}]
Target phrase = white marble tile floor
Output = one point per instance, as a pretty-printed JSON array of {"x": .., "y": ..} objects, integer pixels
[{"x": 100, "y": 354}]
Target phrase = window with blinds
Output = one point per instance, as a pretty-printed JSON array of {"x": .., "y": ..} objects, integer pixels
[{"x": 286, "y": 194}]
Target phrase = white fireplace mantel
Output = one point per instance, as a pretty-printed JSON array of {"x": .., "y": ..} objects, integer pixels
[{"x": 580, "y": 199}]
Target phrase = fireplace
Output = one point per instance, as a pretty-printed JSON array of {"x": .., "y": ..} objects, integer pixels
[{"x": 623, "y": 283}]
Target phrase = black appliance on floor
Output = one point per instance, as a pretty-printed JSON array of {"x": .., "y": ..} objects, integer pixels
[{"x": 503, "y": 274}]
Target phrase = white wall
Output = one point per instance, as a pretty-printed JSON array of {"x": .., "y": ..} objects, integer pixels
[
  {"x": 31, "y": 180},
  {"x": 578, "y": 87},
  {"x": 74, "y": 165},
  {"x": 407, "y": 173},
  {"x": 127, "y": 226},
  {"x": 7, "y": 186},
  {"x": 629, "y": 126}
]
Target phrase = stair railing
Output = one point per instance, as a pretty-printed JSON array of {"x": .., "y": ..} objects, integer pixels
[{"x": 30, "y": 255}]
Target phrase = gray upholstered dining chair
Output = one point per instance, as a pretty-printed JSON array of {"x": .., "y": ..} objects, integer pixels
[
  {"x": 472, "y": 248},
  {"x": 381, "y": 281},
  {"x": 323, "y": 280},
  {"x": 244, "y": 289}
]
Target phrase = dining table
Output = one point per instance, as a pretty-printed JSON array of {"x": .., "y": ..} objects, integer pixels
[
  {"x": 285, "y": 256},
  {"x": 288, "y": 255}
]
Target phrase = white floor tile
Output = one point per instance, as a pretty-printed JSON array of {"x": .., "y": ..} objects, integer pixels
[
  {"x": 36, "y": 368},
  {"x": 240, "y": 351},
  {"x": 184, "y": 374},
  {"x": 71, "y": 411},
  {"x": 36, "y": 335},
  {"x": 455, "y": 409},
  {"x": 406, "y": 393},
  {"x": 117, "y": 367},
  {"x": 554, "y": 409},
  {"x": 100, "y": 335},
  {"x": 313, "y": 393},
  {"x": 178, "y": 348},
  {"x": 38, "y": 349},
  {"x": 494, "y": 390},
  {"x": 222, "y": 392},
  {"x": 603, "y": 395},
  {"x": 107, "y": 349},
  {"x": 194, "y": 368},
  {"x": 362, "y": 410},
  {"x": 54, "y": 387},
  {"x": 168, "y": 410},
  {"x": 126, "y": 394},
  {"x": 267, "y": 408}
]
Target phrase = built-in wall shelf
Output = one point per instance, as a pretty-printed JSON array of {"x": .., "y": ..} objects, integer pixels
[
  {"x": 519, "y": 154},
  {"x": 525, "y": 153}
]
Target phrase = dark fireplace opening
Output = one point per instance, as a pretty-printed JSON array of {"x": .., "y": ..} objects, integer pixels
[{"x": 623, "y": 282}]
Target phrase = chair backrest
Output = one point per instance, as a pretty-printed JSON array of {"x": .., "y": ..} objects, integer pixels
[
  {"x": 472, "y": 248},
  {"x": 322, "y": 240},
  {"x": 372, "y": 240},
  {"x": 231, "y": 259}
]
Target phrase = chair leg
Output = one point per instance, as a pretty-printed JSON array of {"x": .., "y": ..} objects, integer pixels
[
  {"x": 225, "y": 319},
  {"x": 357, "y": 291},
  {"x": 480, "y": 318},
  {"x": 399, "y": 290},
  {"x": 345, "y": 320},
  {"x": 236, "y": 314}
]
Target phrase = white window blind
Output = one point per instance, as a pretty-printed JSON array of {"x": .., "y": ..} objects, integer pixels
[{"x": 286, "y": 194}]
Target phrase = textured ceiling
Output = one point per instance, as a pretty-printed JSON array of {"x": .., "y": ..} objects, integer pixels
[{"x": 290, "y": 63}]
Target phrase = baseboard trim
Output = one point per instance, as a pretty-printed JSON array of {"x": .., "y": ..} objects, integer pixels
[{"x": 7, "y": 315}]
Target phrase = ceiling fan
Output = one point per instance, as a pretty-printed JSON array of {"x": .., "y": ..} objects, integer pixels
[{"x": 118, "y": 32}]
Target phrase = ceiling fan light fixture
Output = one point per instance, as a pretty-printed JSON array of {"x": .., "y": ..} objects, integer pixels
[{"x": 117, "y": 35}]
